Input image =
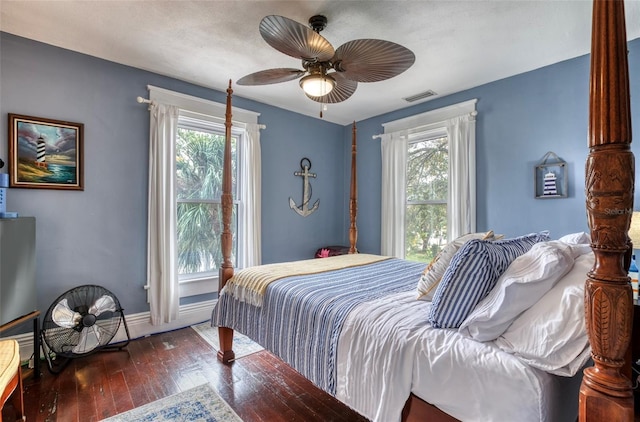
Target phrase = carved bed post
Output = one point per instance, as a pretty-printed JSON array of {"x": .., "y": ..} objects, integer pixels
[
  {"x": 225, "y": 335},
  {"x": 353, "y": 201},
  {"x": 606, "y": 392}
]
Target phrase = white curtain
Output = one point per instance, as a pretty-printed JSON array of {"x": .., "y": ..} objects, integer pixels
[
  {"x": 394, "y": 177},
  {"x": 250, "y": 196},
  {"x": 461, "y": 215},
  {"x": 162, "y": 272}
]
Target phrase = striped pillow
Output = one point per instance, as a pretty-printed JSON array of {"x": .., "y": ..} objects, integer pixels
[
  {"x": 432, "y": 275},
  {"x": 472, "y": 274}
]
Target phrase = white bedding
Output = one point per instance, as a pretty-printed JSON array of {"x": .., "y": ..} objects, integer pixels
[{"x": 479, "y": 382}]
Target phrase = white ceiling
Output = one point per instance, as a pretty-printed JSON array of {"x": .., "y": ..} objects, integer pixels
[{"x": 458, "y": 44}]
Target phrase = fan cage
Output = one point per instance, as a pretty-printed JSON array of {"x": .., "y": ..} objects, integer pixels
[{"x": 62, "y": 340}]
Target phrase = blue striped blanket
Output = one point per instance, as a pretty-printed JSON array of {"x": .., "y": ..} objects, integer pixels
[{"x": 302, "y": 316}]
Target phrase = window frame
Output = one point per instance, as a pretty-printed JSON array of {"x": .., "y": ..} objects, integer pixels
[
  {"x": 437, "y": 132},
  {"x": 201, "y": 283}
]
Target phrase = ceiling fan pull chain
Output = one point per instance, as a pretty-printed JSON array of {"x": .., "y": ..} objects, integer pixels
[{"x": 323, "y": 107}]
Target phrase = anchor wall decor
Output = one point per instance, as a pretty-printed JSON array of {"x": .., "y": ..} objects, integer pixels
[{"x": 303, "y": 209}]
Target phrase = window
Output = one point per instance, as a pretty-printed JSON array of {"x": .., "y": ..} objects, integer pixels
[
  {"x": 428, "y": 181},
  {"x": 427, "y": 195},
  {"x": 199, "y": 165}
]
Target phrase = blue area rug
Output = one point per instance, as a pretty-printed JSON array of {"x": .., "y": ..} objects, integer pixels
[{"x": 200, "y": 403}]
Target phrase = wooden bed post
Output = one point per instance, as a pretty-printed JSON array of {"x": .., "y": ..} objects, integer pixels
[
  {"x": 606, "y": 393},
  {"x": 225, "y": 335},
  {"x": 353, "y": 201}
]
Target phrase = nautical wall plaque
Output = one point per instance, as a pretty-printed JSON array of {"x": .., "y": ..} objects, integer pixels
[
  {"x": 550, "y": 178},
  {"x": 303, "y": 209}
]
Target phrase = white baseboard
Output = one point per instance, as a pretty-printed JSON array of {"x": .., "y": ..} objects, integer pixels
[{"x": 139, "y": 326}]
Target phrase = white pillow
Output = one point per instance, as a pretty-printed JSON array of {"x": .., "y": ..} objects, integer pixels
[
  {"x": 432, "y": 275},
  {"x": 580, "y": 242},
  {"x": 576, "y": 238},
  {"x": 525, "y": 281},
  {"x": 551, "y": 335}
]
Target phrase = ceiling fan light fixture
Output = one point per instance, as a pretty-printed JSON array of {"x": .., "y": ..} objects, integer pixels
[{"x": 317, "y": 85}]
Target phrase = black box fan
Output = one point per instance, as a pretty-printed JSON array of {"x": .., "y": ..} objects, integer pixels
[{"x": 79, "y": 322}]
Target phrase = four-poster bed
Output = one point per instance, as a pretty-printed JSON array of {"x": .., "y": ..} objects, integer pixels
[{"x": 605, "y": 393}]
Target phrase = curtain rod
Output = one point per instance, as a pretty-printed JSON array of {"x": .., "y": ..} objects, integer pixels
[{"x": 145, "y": 101}]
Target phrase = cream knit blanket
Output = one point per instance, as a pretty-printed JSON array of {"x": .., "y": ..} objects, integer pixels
[{"x": 250, "y": 284}]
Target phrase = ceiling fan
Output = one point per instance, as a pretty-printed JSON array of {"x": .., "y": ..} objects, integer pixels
[{"x": 329, "y": 75}]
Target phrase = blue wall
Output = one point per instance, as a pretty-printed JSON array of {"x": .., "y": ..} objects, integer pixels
[{"x": 99, "y": 235}]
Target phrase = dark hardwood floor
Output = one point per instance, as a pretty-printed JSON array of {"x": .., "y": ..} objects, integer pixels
[{"x": 259, "y": 387}]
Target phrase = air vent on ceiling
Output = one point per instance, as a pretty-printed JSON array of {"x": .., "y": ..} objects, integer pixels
[{"x": 420, "y": 96}]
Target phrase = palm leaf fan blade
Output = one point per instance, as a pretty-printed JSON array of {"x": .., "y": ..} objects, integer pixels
[
  {"x": 294, "y": 39},
  {"x": 370, "y": 60},
  {"x": 271, "y": 76}
]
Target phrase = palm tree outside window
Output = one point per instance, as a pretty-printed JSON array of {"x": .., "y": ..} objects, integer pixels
[{"x": 199, "y": 166}]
